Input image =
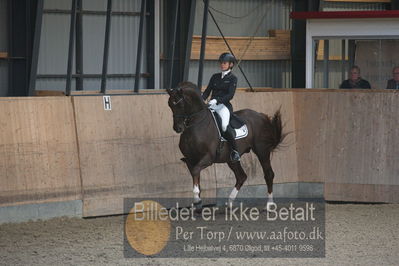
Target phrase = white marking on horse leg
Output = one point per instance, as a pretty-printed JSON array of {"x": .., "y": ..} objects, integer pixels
[
  {"x": 233, "y": 194},
  {"x": 196, "y": 192},
  {"x": 232, "y": 197},
  {"x": 270, "y": 202},
  {"x": 269, "y": 197}
]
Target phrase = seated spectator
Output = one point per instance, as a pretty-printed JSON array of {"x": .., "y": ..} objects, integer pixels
[
  {"x": 393, "y": 84},
  {"x": 355, "y": 81}
]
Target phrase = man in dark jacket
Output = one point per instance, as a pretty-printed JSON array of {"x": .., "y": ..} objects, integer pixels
[
  {"x": 393, "y": 84},
  {"x": 355, "y": 81},
  {"x": 223, "y": 86}
]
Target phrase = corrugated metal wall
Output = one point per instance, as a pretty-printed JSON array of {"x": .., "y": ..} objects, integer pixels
[
  {"x": 235, "y": 17},
  {"x": 3, "y": 48},
  {"x": 276, "y": 74},
  {"x": 123, "y": 44},
  {"x": 348, "y": 6},
  {"x": 242, "y": 18},
  {"x": 53, "y": 52}
]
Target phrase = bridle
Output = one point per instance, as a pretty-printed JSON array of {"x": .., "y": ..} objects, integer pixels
[
  {"x": 188, "y": 117},
  {"x": 175, "y": 103}
]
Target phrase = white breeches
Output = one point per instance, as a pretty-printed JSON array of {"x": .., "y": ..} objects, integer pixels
[{"x": 224, "y": 114}]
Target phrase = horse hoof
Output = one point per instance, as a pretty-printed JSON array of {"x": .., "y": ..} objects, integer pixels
[
  {"x": 230, "y": 203},
  {"x": 197, "y": 204},
  {"x": 270, "y": 206}
]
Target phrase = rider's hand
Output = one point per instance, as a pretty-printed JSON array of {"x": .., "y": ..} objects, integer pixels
[{"x": 212, "y": 102}]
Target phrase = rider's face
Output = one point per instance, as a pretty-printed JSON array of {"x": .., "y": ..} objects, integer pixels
[{"x": 224, "y": 66}]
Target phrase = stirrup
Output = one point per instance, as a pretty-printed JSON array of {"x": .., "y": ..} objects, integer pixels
[{"x": 235, "y": 156}]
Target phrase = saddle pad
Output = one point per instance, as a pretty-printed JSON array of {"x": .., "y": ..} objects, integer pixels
[{"x": 241, "y": 132}]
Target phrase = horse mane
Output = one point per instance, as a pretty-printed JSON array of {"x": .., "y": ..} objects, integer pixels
[
  {"x": 192, "y": 91},
  {"x": 187, "y": 84}
]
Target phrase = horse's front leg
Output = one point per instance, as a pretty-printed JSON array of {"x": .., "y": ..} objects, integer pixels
[
  {"x": 195, "y": 171},
  {"x": 196, "y": 189}
]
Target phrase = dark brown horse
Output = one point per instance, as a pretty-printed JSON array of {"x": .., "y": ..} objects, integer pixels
[{"x": 199, "y": 141}]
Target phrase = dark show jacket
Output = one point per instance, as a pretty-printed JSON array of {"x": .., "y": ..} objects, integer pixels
[
  {"x": 222, "y": 89},
  {"x": 392, "y": 85},
  {"x": 360, "y": 84}
]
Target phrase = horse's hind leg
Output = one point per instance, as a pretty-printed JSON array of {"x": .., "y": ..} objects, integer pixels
[
  {"x": 264, "y": 159},
  {"x": 240, "y": 175}
]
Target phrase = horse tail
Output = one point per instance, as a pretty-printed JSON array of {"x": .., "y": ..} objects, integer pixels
[{"x": 274, "y": 131}]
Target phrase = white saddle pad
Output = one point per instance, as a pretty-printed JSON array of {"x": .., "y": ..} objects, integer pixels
[{"x": 241, "y": 132}]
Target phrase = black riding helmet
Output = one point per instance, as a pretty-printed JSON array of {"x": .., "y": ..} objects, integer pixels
[{"x": 227, "y": 57}]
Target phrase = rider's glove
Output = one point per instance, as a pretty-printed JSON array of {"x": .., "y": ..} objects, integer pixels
[{"x": 212, "y": 102}]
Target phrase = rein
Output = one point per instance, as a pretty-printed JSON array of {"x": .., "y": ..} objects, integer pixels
[{"x": 190, "y": 116}]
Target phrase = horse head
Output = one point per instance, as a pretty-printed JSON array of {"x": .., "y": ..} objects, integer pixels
[{"x": 184, "y": 101}]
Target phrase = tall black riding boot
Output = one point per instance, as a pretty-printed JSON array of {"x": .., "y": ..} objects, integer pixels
[{"x": 230, "y": 137}]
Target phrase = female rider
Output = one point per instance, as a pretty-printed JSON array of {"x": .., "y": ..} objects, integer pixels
[{"x": 223, "y": 86}]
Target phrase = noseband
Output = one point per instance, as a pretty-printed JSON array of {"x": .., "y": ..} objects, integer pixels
[
  {"x": 188, "y": 117},
  {"x": 175, "y": 103}
]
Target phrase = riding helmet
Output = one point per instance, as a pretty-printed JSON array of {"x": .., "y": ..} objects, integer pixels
[{"x": 227, "y": 57}]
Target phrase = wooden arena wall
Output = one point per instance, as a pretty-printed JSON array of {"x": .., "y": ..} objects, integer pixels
[
  {"x": 349, "y": 140},
  {"x": 39, "y": 160},
  {"x": 56, "y": 149},
  {"x": 132, "y": 151}
]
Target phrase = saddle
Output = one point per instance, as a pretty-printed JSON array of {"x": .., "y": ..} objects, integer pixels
[{"x": 241, "y": 130}]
